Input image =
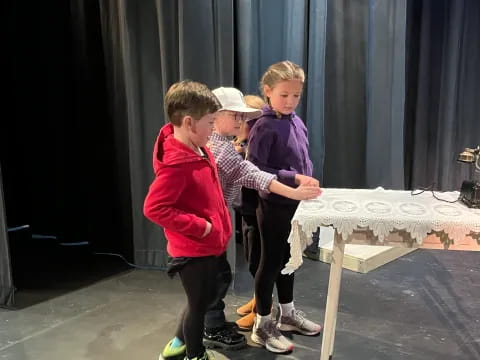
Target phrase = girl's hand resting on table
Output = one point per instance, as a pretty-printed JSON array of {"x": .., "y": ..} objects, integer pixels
[
  {"x": 306, "y": 180},
  {"x": 306, "y": 192}
]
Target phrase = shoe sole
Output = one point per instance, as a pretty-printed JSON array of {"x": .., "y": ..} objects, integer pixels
[
  {"x": 284, "y": 327},
  {"x": 259, "y": 341},
  {"x": 244, "y": 328},
  {"x": 176, "y": 357},
  {"x": 211, "y": 344}
]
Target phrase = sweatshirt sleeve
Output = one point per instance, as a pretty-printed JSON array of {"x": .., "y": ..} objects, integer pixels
[
  {"x": 260, "y": 144},
  {"x": 159, "y": 205},
  {"x": 235, "y": 170}
]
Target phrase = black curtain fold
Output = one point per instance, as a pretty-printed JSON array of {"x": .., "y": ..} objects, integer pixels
[
  {"x": 7, "y": 288},
  {"x": 57, "y": 149},
  {"x": 443, "y": 77},
  {"x": 345, "y": 94}
]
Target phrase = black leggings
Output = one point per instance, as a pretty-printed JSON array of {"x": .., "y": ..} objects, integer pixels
[
  {"x": 251, "y": 242},
  {"x": 199, "y": 281},
  {"x": 215, "y": 316},
  {"x": 274, "y": 225}
]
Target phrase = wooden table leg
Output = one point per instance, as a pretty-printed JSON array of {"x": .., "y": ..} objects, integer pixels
[{"x": 332, "y": 297}]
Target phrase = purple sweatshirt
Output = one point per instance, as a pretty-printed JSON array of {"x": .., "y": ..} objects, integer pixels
[{"x": 280, "y": 146}]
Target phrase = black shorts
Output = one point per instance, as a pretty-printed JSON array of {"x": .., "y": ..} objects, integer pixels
[{"x": 175, "y": 264}]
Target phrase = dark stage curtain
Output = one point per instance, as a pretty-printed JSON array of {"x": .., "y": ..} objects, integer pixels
[
  {"x": 6, "y": 282},
  {"x": 59, "y": 153},
  {"x": 443, "y": 91},
  {"x": 364, "y": 94}
]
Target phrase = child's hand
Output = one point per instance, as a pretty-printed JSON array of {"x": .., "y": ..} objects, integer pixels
[
  {"x": 207, "y": 229},
  {"x": 240, "y": 149},
  {"x": 240, "y": 146},
  {"x": 306, "y": 180},
  {"x": 306, "y": 192}
]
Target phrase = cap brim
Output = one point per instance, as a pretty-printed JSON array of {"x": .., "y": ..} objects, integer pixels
[{"x": 251, "y": 112}]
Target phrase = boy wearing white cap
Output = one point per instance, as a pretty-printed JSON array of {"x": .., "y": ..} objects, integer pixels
[{"x": 234, "y": 172}]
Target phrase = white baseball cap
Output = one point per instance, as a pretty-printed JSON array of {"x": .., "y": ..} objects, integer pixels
[{"x": 231, "y": 99}]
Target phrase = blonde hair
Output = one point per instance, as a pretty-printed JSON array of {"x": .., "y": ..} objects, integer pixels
[
  {"x": 189, "y": 98},
  {"x": 254, "y": 101},
  {"x": 281, "y": 71}
]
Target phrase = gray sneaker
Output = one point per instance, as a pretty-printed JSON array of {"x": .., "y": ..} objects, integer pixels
[
  {"x": 297, "y": 321},
  {"x": 269, "y": 336}
]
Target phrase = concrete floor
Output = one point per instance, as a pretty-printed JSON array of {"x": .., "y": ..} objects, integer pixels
[{"x": 422, "y": 306}]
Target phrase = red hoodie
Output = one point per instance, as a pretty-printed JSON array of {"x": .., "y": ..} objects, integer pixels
[{"x": 185, "y": 194}]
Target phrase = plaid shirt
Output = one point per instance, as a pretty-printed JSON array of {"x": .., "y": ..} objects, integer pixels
[{"x": 234, "y": 171}]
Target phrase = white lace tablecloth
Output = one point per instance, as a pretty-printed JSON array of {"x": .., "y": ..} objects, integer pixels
[{"x": 381, "y": 211}]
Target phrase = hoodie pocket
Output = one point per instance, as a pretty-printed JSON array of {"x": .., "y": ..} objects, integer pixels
[{"x": 214, "y": 237}]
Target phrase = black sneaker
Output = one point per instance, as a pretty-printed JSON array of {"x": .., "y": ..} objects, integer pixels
[
  {"x": 231, "y": 324},
  {"x": 225, "y": 337}
]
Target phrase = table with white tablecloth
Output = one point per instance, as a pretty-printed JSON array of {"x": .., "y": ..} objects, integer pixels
[{"x": 382, "y": 212}]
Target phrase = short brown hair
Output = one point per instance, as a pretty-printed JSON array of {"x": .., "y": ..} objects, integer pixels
[
  {"x": 189, "y": 98},
  {"x": 281, "y": 71}
]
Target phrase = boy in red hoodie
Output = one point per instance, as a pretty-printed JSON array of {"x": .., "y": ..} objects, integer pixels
[{"x": 186, "y": 200}]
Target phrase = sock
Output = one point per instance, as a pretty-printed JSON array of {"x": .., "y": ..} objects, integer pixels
[
  {"x": 262, "y": 319},
  {"x": 286, "y": 309},
  {"x": 176, "y": 342}
]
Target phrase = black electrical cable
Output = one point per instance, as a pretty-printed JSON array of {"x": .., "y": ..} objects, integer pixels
[
  {"x": 419, "y": 191},
  {"x": 143, "y": 267}
]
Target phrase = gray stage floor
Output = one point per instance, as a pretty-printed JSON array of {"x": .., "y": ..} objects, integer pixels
[{"x": 425, "y": 305}]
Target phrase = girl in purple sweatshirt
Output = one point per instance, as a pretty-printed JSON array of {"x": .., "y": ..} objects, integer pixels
[{"x": 278, "y": 143}]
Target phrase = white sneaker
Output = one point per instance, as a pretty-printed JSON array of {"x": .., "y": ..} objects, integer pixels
[
  {"x": 297, "y": 321},
  {"x": 269, "y": 336}
]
